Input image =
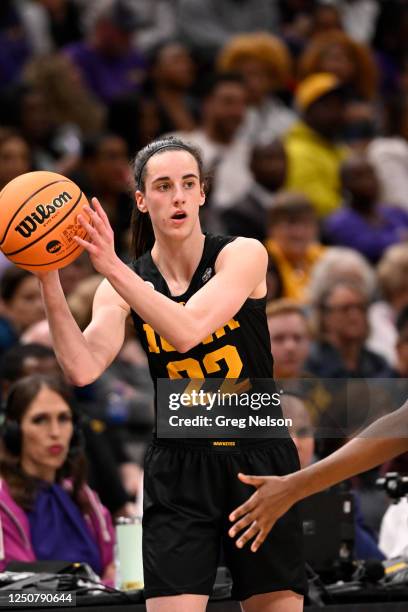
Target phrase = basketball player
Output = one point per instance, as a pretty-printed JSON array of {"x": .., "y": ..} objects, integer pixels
[
  {"x": 198, "y": 305},
  {"x": 384, "y": 439}
]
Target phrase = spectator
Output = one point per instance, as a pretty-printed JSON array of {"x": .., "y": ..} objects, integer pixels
[
  {"x": 265, "y": 66},
  {"x": 291, "y": 341},
  {"x": 314, "y": 155},
  {"x": 326, "y": 18},
  {"x": 47, "y": 511},
  {"x": 68, "y": 99},
  {"x": 21, "y": 304},
  {"x": 25, "y": 360},
  {"x": 53, "y": 145},
  {"x": 103, "y": 453},
  {"x": 392, "y": 274},
  {"x": 364, "y": 223},
  {"x": 224, "y": 146},
  {"x": 290, "y": 335},
  {"x": 301, "y": 431},
  {"x": 351, "y": 62},
  {"x": 173, "y": 74},
  {"x": 337, "y": 264},
  {"x": 208, "y": 26},
  {"x": 15, "y": 156},
  {"x": 292, "y": 243},
  {"x": 110, "y": 65},
  {"x": 389, "y": 153},
  {"x": 104, "y": 172},
  {"x": 342, "y": 329},
  {"x": 249, "y": 216},
  {"x": 296, "y": 23},
  {"x": 15, "y": 47}
]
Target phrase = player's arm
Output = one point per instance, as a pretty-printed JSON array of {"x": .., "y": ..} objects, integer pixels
[
  {"x": 384, "y": 439},
  {"x": 84, "y": 356},
  {"x": 241, "y": 269}
]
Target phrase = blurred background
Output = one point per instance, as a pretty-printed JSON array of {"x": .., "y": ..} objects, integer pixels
[{"x": 300, "y": 108}]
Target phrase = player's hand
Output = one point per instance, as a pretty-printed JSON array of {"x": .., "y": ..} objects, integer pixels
[
  {"x": 100, "y": 243},
  {"x": 273, "y": 497}
]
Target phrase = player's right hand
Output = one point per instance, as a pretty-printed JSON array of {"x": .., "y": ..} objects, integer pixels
[{"x": 273, "y": 497}]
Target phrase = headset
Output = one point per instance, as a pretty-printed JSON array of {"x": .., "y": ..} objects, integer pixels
[{"x": 12, "y": 437}]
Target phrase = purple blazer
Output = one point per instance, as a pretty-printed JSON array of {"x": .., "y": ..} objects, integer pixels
[{"x": 15, "y": 539}]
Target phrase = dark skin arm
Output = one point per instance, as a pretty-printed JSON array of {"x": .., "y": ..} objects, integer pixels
[{"x": 384, "y": 439}]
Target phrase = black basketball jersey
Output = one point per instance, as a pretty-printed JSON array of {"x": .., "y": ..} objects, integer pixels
[{"x": 239, "y": 349}]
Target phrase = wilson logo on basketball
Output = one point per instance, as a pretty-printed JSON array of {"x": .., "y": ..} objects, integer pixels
[{"x": 42, "y": 212}]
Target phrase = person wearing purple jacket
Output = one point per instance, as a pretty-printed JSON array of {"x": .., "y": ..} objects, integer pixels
[
  {"x": 363, "y": 223},
  {"x": 47, "y": 512},
  {"x": 109, "y": 64}
]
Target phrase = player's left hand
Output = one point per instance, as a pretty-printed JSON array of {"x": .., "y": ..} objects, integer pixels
[
  {"x": 273, "y": 497},
  {"x": 100, "y": 244}
]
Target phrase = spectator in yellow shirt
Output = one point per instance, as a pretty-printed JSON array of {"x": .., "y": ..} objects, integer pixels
[{"x": 312, "y": 144}]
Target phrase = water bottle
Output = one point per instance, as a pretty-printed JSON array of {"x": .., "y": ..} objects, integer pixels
[{"x": 129, "y": 561}]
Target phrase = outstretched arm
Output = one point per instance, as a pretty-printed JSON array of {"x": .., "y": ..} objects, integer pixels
[
  {"x": 381, "y": 441},
  {"x": 209, "y": 309}
]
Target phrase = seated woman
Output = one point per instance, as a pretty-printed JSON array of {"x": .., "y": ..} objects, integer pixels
[{"x": 47, "y": 511}]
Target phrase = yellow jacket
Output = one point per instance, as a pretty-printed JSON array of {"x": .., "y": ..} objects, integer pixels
[
  {"x": 295, "y": 280},
  {"x": 313, "y": 167}
]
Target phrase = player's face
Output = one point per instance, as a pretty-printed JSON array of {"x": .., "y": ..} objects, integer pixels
[{"x": 173, "y": 193}]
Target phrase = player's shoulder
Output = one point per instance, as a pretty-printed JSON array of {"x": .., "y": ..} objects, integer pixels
[{"x": 241, "y": 246}]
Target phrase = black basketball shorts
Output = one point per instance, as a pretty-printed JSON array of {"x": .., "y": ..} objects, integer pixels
[{"x": 189, "y": 491}]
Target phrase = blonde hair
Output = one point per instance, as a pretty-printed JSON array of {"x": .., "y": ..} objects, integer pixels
[
  {"x": 286, "y": 306},
  {"x": 263, "y": 47},
  {"x": 392, "y": 270},
  {"x": 67, "y": 103}
]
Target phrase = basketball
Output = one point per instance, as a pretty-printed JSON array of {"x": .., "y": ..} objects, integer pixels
[{"x": 38, "y": 221}]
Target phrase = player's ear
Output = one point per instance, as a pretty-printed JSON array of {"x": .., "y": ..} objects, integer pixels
[
  {"x": 202, "y": 194},
  {"x": 140, "y": 201}
]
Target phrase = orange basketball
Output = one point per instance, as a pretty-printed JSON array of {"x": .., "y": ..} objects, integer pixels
[{"x": 38, "y": 220}]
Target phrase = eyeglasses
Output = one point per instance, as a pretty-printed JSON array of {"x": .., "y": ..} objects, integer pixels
[{"x": 347, "y": 308}]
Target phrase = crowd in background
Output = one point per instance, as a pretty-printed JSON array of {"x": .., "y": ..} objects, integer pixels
[{"x": 300, "y": 108}]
